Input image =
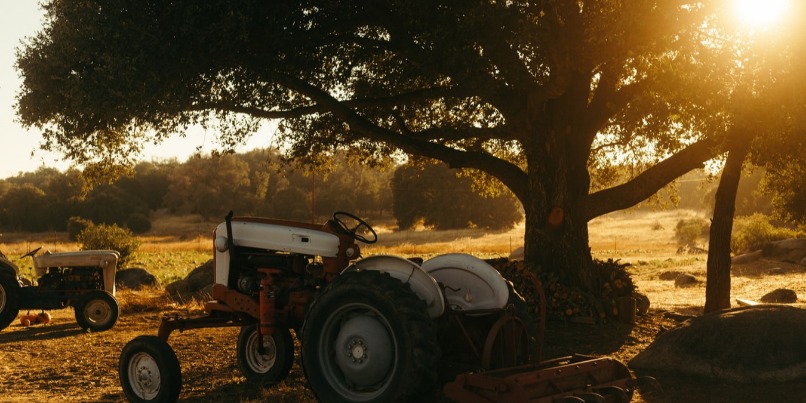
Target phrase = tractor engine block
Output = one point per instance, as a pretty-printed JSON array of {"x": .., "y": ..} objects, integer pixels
[{"x": 72, "y": 278}]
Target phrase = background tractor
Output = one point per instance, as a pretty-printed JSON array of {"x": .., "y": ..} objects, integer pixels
[
  {"x": 378, "y": 329},
  {"x": 84, "y": 280}
]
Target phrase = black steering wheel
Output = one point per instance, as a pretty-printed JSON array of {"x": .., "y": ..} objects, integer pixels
[
  {"x": 31, "y": 253},
  {"x": 339, "y": 218}
]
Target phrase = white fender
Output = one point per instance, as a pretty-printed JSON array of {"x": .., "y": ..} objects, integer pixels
[
  {"x": 407, "y": 272},
  {"x": 470, "y": 283}
]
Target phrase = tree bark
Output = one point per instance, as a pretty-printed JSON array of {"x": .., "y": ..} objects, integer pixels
[{"x": 717, "y": 289}]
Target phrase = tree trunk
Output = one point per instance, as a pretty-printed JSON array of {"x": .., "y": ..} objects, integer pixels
[
  {"x": 717, "y": 289},
  {"x": 556, "y": 237}
]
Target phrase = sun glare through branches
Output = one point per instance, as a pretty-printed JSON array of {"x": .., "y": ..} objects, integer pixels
[{"x": 760, "y": 14}]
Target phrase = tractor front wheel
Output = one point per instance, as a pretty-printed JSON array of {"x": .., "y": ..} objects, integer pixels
[
  {"x": 269, "y": 362},
  {"x": 368, "y": 338},
  {"x": 9, "y": 300},
  {"x": 97, "y": 311},
  {"x": 149, "y": 371}
]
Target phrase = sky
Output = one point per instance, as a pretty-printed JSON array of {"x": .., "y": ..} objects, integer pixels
[{"x": 19, "y": 151}]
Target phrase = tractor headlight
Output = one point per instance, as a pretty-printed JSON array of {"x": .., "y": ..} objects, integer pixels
[{"x": 220, "y": 243}]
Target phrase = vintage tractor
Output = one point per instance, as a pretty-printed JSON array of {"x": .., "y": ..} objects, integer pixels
[
  {"x": 378, "y": 329},
  {"x": 84, "y": 280}
]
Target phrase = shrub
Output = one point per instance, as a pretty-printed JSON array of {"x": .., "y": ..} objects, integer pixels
[
  {"x": 105, "y": 236},
  {"x": 688, "y": 231},
  {"x": 138, "y": 223},
  {"x": 753, "y": 232},
  {"x": 75, "y": 225}
]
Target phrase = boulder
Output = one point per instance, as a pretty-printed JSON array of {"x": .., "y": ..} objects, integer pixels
[
  {"x": 747, "y": 257},
  {"x": 135, "y": 279},
  {"x": 641, "y": 303},
  {"x": 788, "y": 250},
  {"x": 196, "y": 285},
  {"x": 761, "y": 343},
  {"x": 781, "y": 295},
  {"x": 685, "y": 280},
  {"x": 670, "y": 275}
]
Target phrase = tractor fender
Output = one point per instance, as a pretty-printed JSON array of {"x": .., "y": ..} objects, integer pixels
[
  {"x": 7, "y": 267},
  {"x": 469, "y": 282},
  {"x": 409, "y": 273}
]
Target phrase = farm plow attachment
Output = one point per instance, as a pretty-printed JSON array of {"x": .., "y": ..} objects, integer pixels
[
  {"x": 568, "y": 379},
  {"x": 576, "y": 378}
]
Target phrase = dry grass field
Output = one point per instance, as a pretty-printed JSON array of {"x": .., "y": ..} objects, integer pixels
[{"x": 59, "y": 362}]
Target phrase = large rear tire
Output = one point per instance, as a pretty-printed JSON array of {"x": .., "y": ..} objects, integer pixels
[
  {"x": 268, "y": 363},
  {"x": 97, "y": 311},
  {"x": 368, "y": 338},
  {"x": 9, "y": 300},
  {"x": 149, "y": 371}
]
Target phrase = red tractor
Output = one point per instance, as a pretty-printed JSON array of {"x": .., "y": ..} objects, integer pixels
[{"x": 378, "y": 329}]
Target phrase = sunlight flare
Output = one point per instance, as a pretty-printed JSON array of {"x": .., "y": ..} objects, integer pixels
[{"x": 761, "y": 13}]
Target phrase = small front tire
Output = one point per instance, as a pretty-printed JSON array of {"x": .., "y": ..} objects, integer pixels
[
  {"x": 97, "y": 311},
  {"x": 149, "y": 371},
  {"x": 267, "y": 366}
]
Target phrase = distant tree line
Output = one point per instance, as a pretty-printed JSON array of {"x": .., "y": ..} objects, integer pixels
[{"x": 253, "y": 183}]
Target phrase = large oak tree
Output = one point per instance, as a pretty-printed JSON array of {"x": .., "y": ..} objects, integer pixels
[{"x": 540, "y": 95}]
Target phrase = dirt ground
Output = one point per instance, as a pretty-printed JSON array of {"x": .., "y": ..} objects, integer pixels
[{"x": 60, "y": 362}]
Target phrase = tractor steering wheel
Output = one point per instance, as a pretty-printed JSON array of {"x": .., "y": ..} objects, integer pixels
[
  {"x": 339, "y": 217},
  {"x": 31, "y": 253}
]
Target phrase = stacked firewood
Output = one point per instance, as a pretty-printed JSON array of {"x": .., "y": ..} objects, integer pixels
[{"x": 568, "y": 303}]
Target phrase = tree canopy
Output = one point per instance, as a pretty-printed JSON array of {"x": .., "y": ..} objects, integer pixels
[{"x": 542, "y": 95}]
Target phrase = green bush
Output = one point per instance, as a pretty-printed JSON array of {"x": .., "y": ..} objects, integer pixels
[
  {"x": 689, "y": 230},
  {"x": 753, "y": 232},
  {"x": 105, "y": 236},
  {"x": 75, "y": 225}
]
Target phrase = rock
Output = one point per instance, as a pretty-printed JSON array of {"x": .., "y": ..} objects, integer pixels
[
  {"x": 641, "y": 303},
  {"x": 803, "y": 261},
  {"x": 691, "y": 250},
  {"x": 788, "y": 250},
  {"x": 762, "y": 343},
  {"x": 781, "y": 295},
  {"x": 135, "y": 279},
  {"x": 747, "y": 257},
  {"x": 669, "y": 275},
  {"x": 685, "y": 280},
  {"x": 196, "y": 285}
]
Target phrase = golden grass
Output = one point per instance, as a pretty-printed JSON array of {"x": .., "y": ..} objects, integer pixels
[{"x": 644, "y": 239}]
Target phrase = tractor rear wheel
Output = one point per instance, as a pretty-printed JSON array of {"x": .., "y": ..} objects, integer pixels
[
  {"x": 149, "y": 371},
  {"x": 368, "y": 338},
  {"x": 97, "y": 311},
  {"x": 270, "y": 362},
  {"x": 9, "y": 300}
]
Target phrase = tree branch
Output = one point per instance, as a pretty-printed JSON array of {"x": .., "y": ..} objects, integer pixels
[
  {"x": 511, "y": 175},
  {"x": 650, "y": 181},
  {"x": 390, "y": 101}
]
